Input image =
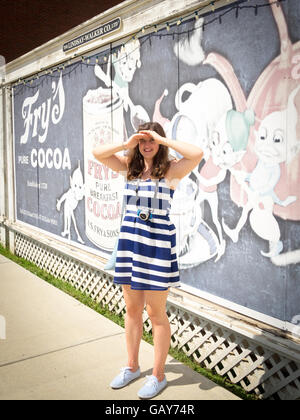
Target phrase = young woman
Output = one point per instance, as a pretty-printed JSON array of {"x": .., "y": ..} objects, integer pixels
[{"x": 146, "y": 264}]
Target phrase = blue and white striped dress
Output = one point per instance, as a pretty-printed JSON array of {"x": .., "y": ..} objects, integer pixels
[{"x": 146, "y": 256}]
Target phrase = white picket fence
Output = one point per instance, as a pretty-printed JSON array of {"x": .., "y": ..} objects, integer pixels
[{"x": 258, "y": 360}]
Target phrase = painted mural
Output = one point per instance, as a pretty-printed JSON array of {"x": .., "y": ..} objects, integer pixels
[{"x": 229, "y": 82}]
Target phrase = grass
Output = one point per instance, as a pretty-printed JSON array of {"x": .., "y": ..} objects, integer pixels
[{"x": 118, "y": 319}]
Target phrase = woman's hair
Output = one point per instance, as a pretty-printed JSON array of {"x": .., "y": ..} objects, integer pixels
[{"x": 161, "y": 162}]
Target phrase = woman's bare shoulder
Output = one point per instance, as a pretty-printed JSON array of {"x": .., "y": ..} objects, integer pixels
[{"x": 171, "y": 181}]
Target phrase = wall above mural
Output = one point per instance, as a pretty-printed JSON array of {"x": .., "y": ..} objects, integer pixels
[{"x": 227, "y": 81}]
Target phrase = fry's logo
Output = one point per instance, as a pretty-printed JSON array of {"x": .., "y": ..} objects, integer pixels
[{"x": 37, "y": 119}]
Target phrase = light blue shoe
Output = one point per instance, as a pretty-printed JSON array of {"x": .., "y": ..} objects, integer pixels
[
  {"x": 152, "y": 387},
  {"x": 124, "y": 378}
]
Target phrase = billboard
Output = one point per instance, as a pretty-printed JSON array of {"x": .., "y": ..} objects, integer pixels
[{"x": 228, "y": 82}]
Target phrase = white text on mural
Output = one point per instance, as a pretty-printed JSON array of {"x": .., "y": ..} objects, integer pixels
[
  {"x": 38, "y": 118},
  {"x": 95, "y": 203},
  {"x": 36, "y": 123}
]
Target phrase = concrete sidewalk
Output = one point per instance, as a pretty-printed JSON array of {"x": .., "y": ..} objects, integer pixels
[{"x": 56, "y": 348}]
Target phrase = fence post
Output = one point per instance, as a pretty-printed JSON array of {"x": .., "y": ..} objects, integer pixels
[
  {"x": 2, "y": 328},
  {"x": 9, "y": 165},
  {"x": 2, "y": 170}
]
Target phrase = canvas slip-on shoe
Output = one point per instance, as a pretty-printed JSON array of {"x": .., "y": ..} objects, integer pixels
[
  {"x": 152, "y": 387},
  {"x": 124, "y": 378}
]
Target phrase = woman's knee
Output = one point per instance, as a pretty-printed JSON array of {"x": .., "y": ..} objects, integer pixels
[
  {"x": 156, "y": 305},
  {"x": 134, "y": 310},
  {"x": 156, "y": 315},
  {"x": 135, "y": 302}
]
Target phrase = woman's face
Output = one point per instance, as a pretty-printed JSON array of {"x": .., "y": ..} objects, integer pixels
[{"x": 148, "y": 147}]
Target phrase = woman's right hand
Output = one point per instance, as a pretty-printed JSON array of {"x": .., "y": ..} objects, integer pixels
[{"x": 133, "y": 141}]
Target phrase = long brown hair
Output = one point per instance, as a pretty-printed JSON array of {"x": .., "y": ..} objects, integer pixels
[{"x": 161, "y": 162}]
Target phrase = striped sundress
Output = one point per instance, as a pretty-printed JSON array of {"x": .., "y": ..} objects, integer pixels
[{"x": 146, "y": 255}]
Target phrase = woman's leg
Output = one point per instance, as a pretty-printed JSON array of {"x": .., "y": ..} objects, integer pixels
[
  {"x": 156, "y": 308},
  {"x": 135, "y": 302}
]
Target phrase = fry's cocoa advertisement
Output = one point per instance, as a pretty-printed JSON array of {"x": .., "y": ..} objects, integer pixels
[
  {"x": 207, "y": 81},
  {"x": 103, "y": 187}
]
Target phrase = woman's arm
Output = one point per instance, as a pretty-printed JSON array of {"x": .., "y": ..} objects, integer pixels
[
  {"x": 192, "y": 156},
  {"x": 107, "y": 154}
]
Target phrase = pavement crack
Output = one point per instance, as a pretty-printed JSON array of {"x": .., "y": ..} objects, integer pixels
[{"x": 58, "y": 350}]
